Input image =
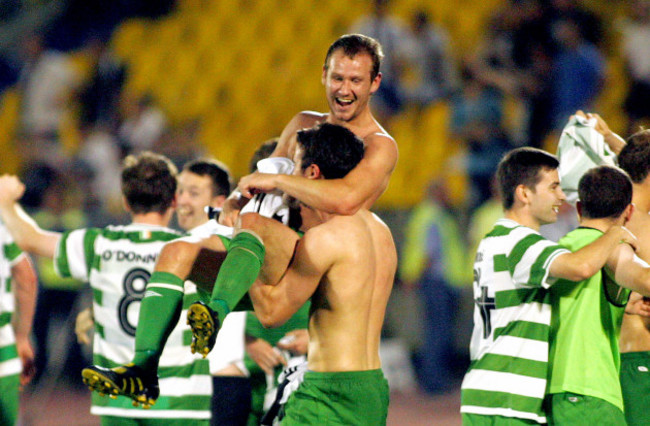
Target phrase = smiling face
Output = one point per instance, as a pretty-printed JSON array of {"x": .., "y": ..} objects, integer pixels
[
  {"x": 193, "y": 195},
  {"x": 547, "y": 197},
  {"x": 349, "y": 85}
]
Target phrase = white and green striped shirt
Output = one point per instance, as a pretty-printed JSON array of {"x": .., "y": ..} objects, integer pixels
[
  {"x": 512, "y": 315},
  {"x": 10, "y": 364},
  {"x": 117, "y": 261}
]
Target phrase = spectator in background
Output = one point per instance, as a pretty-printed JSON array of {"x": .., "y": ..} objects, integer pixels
[
  {"x": 181, "y": 143},
  {"x": 101, "y": 154},
  {"x": 635, "y": 31},
  {"x": 47, "y": 82},
  {"x": 434, "y": 68},
  {"x": 476, "y": 121},
  {"x": 434, "y": 260},
  {"x": 578, "y": 72},
  {"x": 393, "y": 36},
  {"x": 589, "y": 24},
  {"x": 142, "y": 125},
  {"x": 100, "y": 97}
]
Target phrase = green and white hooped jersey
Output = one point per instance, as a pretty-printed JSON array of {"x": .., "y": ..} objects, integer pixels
[
  {"x": 117, "y": 261},
  {"x": 512, "y": 315},
  {"x": 9, "y": 362}
]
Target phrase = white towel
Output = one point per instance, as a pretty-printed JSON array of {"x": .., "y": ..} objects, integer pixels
[{"x": 580, "y": 148}]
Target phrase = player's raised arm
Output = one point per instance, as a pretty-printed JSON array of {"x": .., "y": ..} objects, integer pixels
[{"x": 26, "y": 233}]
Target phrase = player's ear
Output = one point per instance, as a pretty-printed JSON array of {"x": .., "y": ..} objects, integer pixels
[
  {"x": 313, "y": 172},
  {"x": 323, "y": 78},
  {"x": 579, "y": 208},
  {"x": 628, "y": 212},
  {"x": 125, "y": 204},
  {"x": 522, "y": 193},
  {"x": 374, "y": 86}
]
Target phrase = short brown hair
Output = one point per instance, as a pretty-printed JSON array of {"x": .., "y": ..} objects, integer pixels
[
  {"x": 354, "y": 44},
  {"x": 148, "y": 182}
]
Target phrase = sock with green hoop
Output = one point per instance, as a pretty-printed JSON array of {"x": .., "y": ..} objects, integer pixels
[
  {"x": 160, "y": 311},
  {"x": 238, "y": 272}
]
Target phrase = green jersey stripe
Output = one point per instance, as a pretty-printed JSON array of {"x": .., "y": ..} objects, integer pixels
[
  {"x": 524, "y": 329},
  {"x": 5, "y": 318},
  {"x": 162, "y": 403},
  {"x": 89, "y": 247},
  {"x": 499, "y": 231},
  {"x": 516, "y": 297},
  {"x": 61, "y": 260},
  {"x": 491, "y": 399},
  {"x": 8, "y": 352},
  {"x": 139, "y": 236},
  {"x": 11, "y": 251},
  {"x": 539, "y": 270},
  {"x": 514, "y": 365},
  {"x": 520, "y": 248}
]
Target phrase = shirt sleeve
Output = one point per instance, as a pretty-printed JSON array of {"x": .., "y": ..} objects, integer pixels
[{"x": 75, "y": 254}]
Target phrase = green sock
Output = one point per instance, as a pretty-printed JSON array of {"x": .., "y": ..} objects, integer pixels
[
  {"x": 238, "y": 272},
  {"x": 160, "y": 311}
]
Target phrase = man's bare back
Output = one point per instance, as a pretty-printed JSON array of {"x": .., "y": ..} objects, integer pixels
[
  {"x": 635, "y": 330},
  {"x": 348, "y": 264}
]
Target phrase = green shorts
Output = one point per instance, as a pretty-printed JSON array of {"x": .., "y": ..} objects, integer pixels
[
  {"x": 635, "y": 383},
  {"x": 471, "y": 419},
  {"x": 9, "y": 399},
  {"x": 129, "y": 421},
  {"x": 568, "y": 408},
  {"x": 343, "y": 398}
]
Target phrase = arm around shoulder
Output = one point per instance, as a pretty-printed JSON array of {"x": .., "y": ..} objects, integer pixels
[
  {"x": 584, "y": 263},
  {"x": 275, "y": 304}
]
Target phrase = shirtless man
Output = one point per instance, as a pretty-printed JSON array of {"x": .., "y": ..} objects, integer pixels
[
  {"x": 350, "y": 75},
  {"x": 346, "y": 264}
]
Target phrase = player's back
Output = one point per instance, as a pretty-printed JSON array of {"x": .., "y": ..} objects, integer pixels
[
  {"x": 635, "y": 329},
  {"x": 117, "y": 261},
  {"x": 349, "y": 305}
]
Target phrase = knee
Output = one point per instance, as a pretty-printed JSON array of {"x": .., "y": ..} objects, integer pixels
[{"x": 252, "y": 221}]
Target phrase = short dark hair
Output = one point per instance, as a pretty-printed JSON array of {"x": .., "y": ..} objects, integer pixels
[
  {"x": 634, "y": 158},
  {"x": 333, "y": 148},
  {"x": 215, "y": 170},
  {"x": 148, "y": 182},
  {"x": 354, "y": 44},
  {"x": 521, "y": 166},
  {"x": 264, "y": 151},
  {"x": 604, "y": 192}
]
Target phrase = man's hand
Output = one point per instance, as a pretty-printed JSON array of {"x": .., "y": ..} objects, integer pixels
[
  {"x": 638, "y": 305},
  {"x": 229, "y": 212},
  {"x": 257, "y": 182},
  {"x": 83, "y": 325},
  {"x": 11, "y": 189},
  {"x": 295, "y": 341},
  {"x": 265, "y": 355},
  {"x": 624, "y": 236},
  {"x": 26, "y": 355},
  {"x": 614, "y": 141}
]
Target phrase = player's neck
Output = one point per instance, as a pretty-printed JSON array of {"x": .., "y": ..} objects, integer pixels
[
  {"x": 641, "y": 197},
  {"x": 523, "y": 217},
  {"x": 602, "y": 225},
  {"x": 311, "y": 217},
  {"x": 361, "y": 125},
  {"x": 151, "y": 218}
]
